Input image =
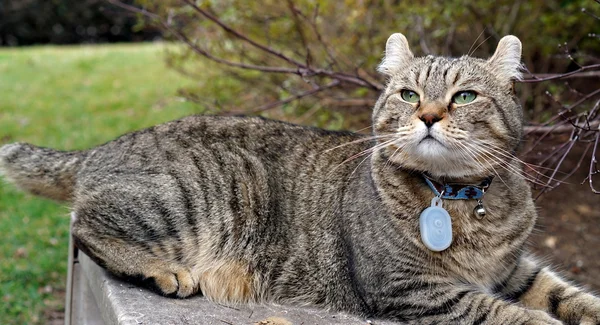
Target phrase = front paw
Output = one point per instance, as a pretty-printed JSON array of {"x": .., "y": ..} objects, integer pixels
[
  {"x": 579, "y": 308},
  {"x": 178, "y": 283}
]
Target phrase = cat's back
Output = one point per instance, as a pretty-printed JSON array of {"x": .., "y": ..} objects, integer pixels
[{"x": 226, "y": 145}]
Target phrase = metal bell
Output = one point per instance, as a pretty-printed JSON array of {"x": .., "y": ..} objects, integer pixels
[{"x": 479, "y": 210}]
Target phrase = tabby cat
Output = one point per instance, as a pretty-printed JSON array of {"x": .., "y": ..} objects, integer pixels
[{"x": 250, "y": 210}]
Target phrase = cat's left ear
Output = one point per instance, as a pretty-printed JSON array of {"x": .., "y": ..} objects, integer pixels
[{"x": 506, "y": 61}]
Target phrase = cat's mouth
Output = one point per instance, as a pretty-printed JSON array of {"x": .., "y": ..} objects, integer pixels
[{"x": 429, "y": 140}]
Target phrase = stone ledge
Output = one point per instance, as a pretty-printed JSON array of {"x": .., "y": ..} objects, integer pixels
[{"x": 96, "y": 297}]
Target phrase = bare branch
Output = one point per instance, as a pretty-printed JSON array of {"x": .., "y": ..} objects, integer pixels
[
  {"x": 241, "y": 36},
  {"x": 541, "y": 76},
  {"x": 300, "y": 69},
  {"x": 560, "y": 128},
  {"x": 535, "y": 78},
  {"x": 593, "y": 164},
  {"x": 548, "y": 186},
  {"x": 300, "y": 31},
  {"x": 290, "y": 99}
]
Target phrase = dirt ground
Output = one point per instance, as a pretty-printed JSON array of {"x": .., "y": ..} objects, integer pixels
[{"x": 568, "y": 232}]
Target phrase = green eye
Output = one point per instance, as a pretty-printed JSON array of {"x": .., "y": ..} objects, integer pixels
[
  {"x": 464, "y": 97},
  {"x": 409, "y": 96}
]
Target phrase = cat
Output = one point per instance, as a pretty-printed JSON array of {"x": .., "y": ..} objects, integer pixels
[{"x": 251, "y": 210}]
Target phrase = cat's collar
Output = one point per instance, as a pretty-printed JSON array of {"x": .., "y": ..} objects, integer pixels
[
  {"x": 458, "y": 191},
  {"x": 435, "y": 223}
]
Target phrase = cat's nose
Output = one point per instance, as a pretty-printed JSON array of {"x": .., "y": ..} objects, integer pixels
[{"x": 430, "y": 118}]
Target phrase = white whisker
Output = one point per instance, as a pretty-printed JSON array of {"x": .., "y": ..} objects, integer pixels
[
  {"x": 365, "y": 152},
  {"x": 376, "y": 137},
  {"x": 509, "y": 155},
  {"x": 504, "y": 163}
]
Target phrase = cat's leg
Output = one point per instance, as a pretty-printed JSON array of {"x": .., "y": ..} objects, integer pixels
[
  {"x": 540, "y": 288},
  {"x": 454, "y": 304},
  {"x": 132, "y": 250},
  {"x": 159, "y": 230}
]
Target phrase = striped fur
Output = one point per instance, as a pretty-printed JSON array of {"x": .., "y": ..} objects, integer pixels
[{"x": 249, "y": 210}]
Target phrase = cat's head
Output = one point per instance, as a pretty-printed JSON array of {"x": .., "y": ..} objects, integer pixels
[{"x": 454, "y": 117}]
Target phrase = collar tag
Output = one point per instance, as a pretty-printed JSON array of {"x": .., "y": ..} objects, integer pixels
[{"x": 435, "y": 226}]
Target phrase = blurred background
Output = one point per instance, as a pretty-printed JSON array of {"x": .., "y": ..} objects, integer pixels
[{"x": 75, "y": 74}]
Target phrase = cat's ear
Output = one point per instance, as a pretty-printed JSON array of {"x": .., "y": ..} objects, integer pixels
[
  {"x": 397, "y": 54},
  {"x": 506, "y": 61}
]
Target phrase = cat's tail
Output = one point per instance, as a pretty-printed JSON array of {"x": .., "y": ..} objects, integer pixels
[{"x": 41, "y": 171}]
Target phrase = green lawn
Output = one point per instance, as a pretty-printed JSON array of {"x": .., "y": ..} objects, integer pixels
[{"x": 67, "y": 98}]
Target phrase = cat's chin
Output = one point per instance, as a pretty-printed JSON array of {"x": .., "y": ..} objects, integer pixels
[
  {"x": 434, "y": 158},
  {"x": 430, "y": 148}
]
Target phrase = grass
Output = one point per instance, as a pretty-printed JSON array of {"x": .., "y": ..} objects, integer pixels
[{"x": 67, "y": 98}]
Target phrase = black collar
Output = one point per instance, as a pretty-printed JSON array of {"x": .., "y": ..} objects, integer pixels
[{"x": 458, "y": 191}]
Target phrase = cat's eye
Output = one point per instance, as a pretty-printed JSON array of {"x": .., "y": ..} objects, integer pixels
[
  {"x": 464, "y": 97},
  {"x": 409, "y": 96}
]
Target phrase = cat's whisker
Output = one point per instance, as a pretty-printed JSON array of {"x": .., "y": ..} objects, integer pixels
[
  {"x": 365, "y": 152},
  {"x": 371, "y": 138},
  {"x": 372, "y": 149},
  {"x": 491, "y": 168},
  {"x": 390, "y": 159},
  {"x": 473, "y": 154},
  {"x": 370, "y": 155},
  {"x": 505, "y": 165},
  {"x": 511, "y": 156},
  {"x": 359, "y": 164},
  {"x": 467, "y": 155},
  {"x": 533, "y": 167},
  {"x": 501, "y": 163},
  {"x": 365, "y": 128},
  {"x": 485, "y": 40},
  {"x": 475, "y": 42}
]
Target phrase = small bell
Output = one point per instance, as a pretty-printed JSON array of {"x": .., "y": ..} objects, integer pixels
[{"x": 479, "y": 210}]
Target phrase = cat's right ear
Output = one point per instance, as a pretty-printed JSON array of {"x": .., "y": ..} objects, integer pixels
[{"x": 397, "y": 54}]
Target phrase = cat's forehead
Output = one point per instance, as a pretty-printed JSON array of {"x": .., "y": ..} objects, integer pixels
[{"x": 433, "y": 75}]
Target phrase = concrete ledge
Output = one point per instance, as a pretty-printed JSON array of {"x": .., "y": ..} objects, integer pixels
[{"x": 96, "y": 297}]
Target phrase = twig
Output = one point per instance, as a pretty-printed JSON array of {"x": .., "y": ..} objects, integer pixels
[
  {"x": 542, "y": 76},
  {"x": 593, "y": 167},
  {"x": 290, "y": 99},
  {"x": 300, "y": 31},
  {"x": 557, "y": 167},
  {"x": 560, "y": 128},
  {"x": 534, "y": 78},
  {"x": 300, "y": 70},
  {"x": 241, "y": 36}
]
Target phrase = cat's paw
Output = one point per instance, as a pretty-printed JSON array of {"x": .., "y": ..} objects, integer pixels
[
  {"x": 583, "y": 307},
  {"x": 179, "y": 283}
]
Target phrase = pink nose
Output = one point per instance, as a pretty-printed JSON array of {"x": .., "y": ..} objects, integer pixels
[{"x": 429, "y": 119}]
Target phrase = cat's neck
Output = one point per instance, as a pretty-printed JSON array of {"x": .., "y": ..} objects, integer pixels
[
  {"x": 474, "y": 180},
  {"x": 393, "y": 182}
]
